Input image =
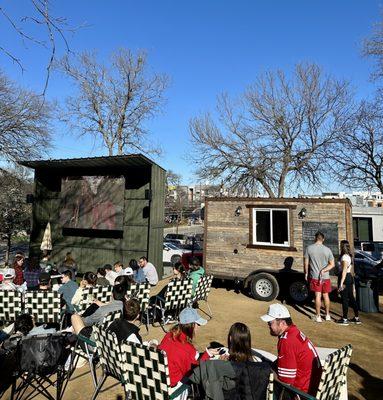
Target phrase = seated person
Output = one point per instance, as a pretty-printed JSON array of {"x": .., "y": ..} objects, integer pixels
[
  {"x": 8, "y": 277},
  {"x": 44, "y": 281},
  {"x": 126, "y": 327},
  {"x": 149, "y": 271},
  {"x": 110, "y": 274},
  {"x": 101, "y": 280},
  {"x": 138, "y": 273},
  {"x": 235, "y": 374},
  {"x": 84, "y": 325},
  {"x": 68, "y": 289},
  {"x": 196, "y": 271},
  {"x": 32, "y": 272},
  {"x": 89, "y": 280},
  {"x": 126, "y": 280},
  {"x": 182, "y": 355}
]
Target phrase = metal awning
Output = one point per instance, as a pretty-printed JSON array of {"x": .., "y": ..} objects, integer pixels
[{"x": 129, "y": 160}]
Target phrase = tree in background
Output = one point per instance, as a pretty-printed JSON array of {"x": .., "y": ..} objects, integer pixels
[
  {"x": 358, "y": 155},
  {"x": 24, "y": 122},
  {"x": 14, "y": 212},
  {"x": 373, "y": 48},
  {"x": 176, "y": 198},
  {"x": 276, "y": 136},
  {"x": 113, "y": 103},
  {"x": 37, "y": 26}
]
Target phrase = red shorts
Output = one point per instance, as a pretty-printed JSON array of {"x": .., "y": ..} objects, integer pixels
[{"x": 320, "y": 285}]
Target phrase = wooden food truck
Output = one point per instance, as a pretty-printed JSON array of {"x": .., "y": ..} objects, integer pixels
[{"x": 261, "y": 241}]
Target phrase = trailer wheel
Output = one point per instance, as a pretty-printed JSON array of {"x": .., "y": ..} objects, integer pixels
[
  {"x": 299, "y": 292},
  {"x": 264, "y": 286}
]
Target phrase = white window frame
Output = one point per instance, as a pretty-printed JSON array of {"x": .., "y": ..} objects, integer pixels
[{"x": 271, "y": 227}]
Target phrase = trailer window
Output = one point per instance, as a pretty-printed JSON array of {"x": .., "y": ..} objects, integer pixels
[{"x": 271, "y": 226}]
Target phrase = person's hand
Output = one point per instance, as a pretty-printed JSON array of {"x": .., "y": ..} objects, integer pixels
[
  {"x": 213, "y": 352},
  {"x": 98, "y": 302},
  {"x": 224, "y": 357},
  {"x": 306, "y": 276},
  {"x": 340, "y": 288}
]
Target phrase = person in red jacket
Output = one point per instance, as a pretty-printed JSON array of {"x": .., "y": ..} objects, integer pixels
[
  {"x": 182, "y": 355},
  {"x": 298, "y": 362}
]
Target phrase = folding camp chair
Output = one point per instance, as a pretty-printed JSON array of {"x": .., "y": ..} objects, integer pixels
[
  {"x": 145, "y": 373},
  {"x": 30, "y": 383},
  {"x": 333, "y": 377},
  {"x": 110, "y": 355},
  {"x": 202, "y": 292},
  {"x": 100, "y": 293},
  {"x": 44, "y": 306},
  {"x": 86, "y": 348},
  {"x": 11, "y": 305},
  {"x": 177, "y": 297},
  {"x": 141, "y": 292}
]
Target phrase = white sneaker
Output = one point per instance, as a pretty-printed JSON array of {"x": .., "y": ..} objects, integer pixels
[
  {"x": 328, "y": 317},
  {"x": 317, "y": 318}
]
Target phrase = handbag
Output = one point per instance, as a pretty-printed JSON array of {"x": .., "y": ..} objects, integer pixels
[{"x": 41, "y": 354}]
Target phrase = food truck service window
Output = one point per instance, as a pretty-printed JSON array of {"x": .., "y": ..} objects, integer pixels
[{"x": 271, "y": 226}]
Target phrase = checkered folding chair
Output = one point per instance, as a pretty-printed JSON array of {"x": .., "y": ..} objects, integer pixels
[
  {"x": 270, "y": 388},
  {"x": 44, "y": 306},
  {"x": 202, "y": 292},
  {"x": 100, "y": 293},
  {"x": 333, "y": 377},
  {"x": 11, "y": 305},
  {"x": 177, "y": 297},
  {"x": 141, "y": 292},
  {"x": 111, "y": 358},
  {"x": 146, "y": 373},
  {"x": 86, "y": 347}
]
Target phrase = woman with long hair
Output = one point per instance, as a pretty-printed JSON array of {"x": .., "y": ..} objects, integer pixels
[
  {"x": 239, "y": 343},
  {"x": 346, "y": 284},
  {"x": 178, "y": 345},
  {"x": 18, "y": 266}
]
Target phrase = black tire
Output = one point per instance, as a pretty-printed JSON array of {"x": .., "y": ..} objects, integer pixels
[
  {"x": 175, "y": 258},
  {"x": 299, "y": 292},
  {"x": 264, "y": 287}
]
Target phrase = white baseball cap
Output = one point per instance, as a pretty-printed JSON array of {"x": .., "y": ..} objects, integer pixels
[{"x": 275, "y": 311}]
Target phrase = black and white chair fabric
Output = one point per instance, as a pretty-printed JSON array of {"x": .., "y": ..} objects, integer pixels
[
  {"x": 333, "y": 378},
  {"x": 44, "y": 306},
  {"x": 141, "y": 292},
  {"x": 146, "y": 374},
  {"x": 100, "y": 293},
  {"x": 177, "y": 297},
  {"x": 86, "y": 347},
  {"x": 11, "y": 305},
  {"x": 111, "y": 358},
  {"x": 202, "y": 292}
]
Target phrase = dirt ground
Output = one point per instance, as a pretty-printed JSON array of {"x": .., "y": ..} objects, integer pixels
[{"x": 365, "y": 376}]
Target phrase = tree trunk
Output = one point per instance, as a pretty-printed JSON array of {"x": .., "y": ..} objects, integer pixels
[{"x": 8, "y": 249}]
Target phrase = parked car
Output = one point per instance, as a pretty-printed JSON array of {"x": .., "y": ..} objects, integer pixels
[
  {"x": 366, "y": 268},
  {"x": 375, "y": 249},
  {"x": 175, "y": 236},
  {"x": 363, "y": 255},
  {"x": 171, "y": 253}
]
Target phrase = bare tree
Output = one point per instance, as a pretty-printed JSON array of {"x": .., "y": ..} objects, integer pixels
[
  {"x": 359, "y": 154},
  {"x": 113, "y": 103},
  {"x": 373, "y": 48},
  {"x": 276, "y": 135},
  {"x": 51, "y": 30},
  {"x": 24, "y": 122},
  {"x": 14, "y": 212}
]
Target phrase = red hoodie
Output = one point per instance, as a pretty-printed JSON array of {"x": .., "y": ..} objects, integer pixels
[{"x": 182, "y": 356}]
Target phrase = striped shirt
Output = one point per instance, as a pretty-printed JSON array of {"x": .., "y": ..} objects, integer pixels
[{"x": 298, "y": 362}]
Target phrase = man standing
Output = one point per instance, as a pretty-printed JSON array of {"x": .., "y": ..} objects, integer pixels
[
  {"x": 298, "y": 363},
  {"x": 319, "y": 260},
  {"x": 149, "y": 270}
]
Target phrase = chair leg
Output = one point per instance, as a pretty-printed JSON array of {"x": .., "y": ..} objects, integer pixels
[{"x": 99, "y": 386}]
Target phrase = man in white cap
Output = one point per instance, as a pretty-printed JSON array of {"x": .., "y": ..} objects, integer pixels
[
  {"x": 8, "y": 277},
  {"x": 298, "y": 363}
]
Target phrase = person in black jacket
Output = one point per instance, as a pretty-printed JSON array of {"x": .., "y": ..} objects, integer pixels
[{"x": 125, "y": 328}]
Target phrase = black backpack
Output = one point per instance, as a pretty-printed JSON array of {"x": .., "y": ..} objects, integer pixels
[{"x": 42, "y": 354}]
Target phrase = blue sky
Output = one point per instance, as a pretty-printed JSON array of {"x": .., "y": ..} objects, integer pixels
[{"x": 206, "y": 47}]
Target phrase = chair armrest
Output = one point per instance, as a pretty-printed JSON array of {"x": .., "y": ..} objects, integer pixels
[
  {"x": 292, "y": 389},
  {"x": 179, "y": 390},
  {"x": 86, "y": 340}
]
